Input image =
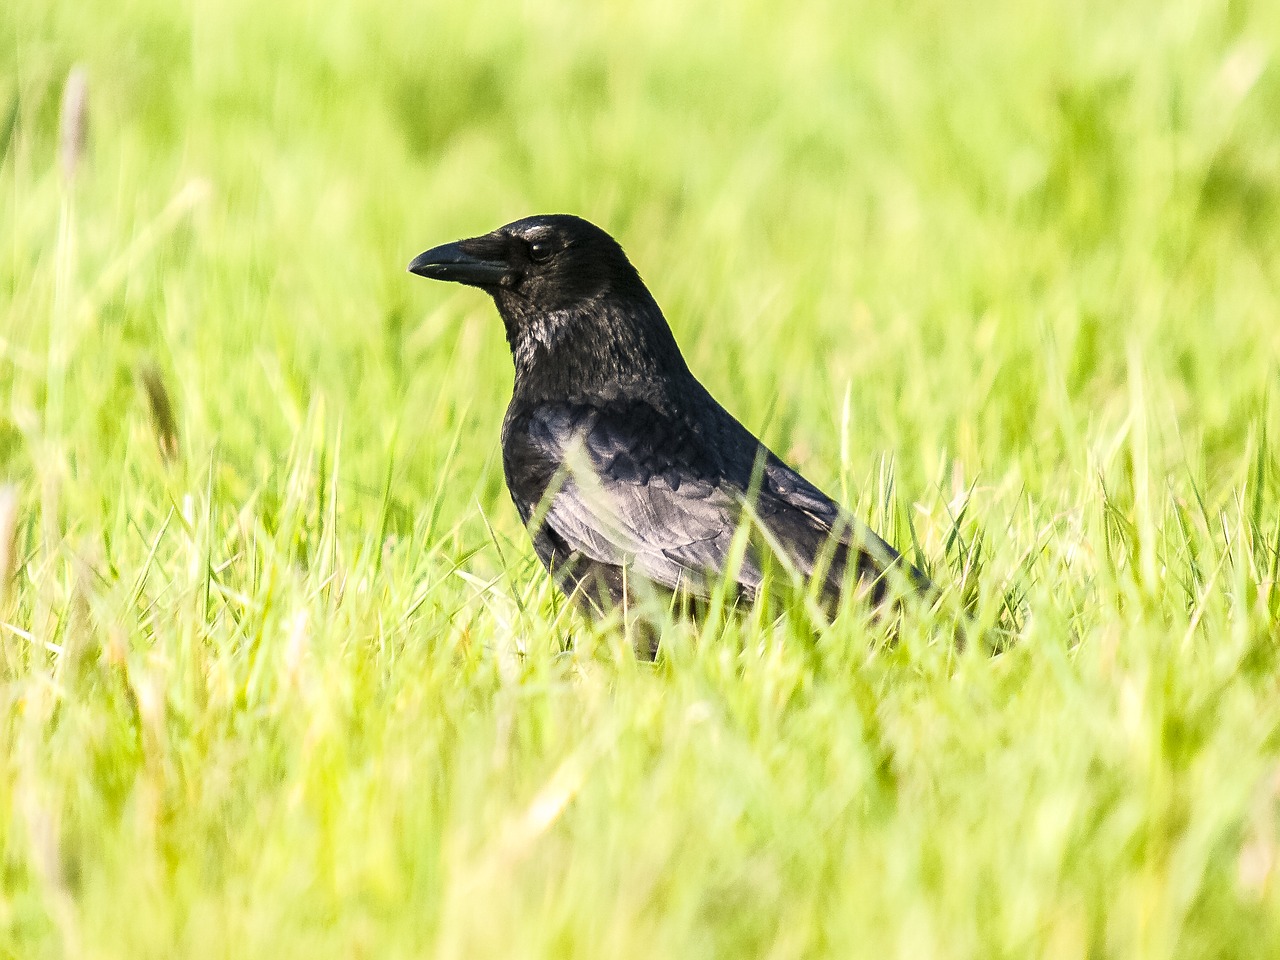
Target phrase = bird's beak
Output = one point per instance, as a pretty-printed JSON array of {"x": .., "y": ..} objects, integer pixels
[{"x": 450, "y": 262}]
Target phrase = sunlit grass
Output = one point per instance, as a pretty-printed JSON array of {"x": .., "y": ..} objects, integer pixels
[{"x": 281, "y": 675}]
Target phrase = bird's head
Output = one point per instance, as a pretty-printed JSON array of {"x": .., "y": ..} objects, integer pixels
[
  {"x": 547, "y": 263},
  {"x": 568, "y": 295}
]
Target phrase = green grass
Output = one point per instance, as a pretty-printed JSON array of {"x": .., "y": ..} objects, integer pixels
[{"x": 281, "y": 677}]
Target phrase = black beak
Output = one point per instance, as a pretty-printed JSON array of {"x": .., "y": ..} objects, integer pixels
[{"x": 450, "y": 262}]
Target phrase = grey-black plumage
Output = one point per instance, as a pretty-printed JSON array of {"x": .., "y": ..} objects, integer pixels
[{"x": 619, "y": 461}]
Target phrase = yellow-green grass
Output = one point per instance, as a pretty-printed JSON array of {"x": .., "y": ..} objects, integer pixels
[{"x": 281, "y": 675}]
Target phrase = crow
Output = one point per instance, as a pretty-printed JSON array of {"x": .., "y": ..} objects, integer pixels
[{"x": 621, "y": 464}]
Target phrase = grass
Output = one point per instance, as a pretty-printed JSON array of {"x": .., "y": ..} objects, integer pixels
[{"x": 281, "y": 676}]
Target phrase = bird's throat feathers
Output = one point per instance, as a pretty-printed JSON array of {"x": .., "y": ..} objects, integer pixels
[{"x": 589, "y": 349}]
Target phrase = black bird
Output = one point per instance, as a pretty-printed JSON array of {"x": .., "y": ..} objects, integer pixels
[{"x": 620, "y": 462}]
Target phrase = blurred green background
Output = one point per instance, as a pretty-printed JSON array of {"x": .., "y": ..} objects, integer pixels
[
  {"x": 967, "y": 213},
  {"x": 281, "y": 674}
]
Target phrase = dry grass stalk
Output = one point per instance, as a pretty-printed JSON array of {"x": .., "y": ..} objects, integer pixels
[
  {"x": 73, "y": 134},
  {"x": 163, "y": 421}
]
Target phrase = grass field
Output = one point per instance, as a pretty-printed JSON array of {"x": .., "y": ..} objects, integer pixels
[{"x": 281, "y": 676}]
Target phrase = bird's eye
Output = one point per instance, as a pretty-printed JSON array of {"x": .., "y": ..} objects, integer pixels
[{"x": 540, "y": 251}]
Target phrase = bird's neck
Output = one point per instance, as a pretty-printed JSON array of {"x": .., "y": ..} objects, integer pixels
[{"x": 598, "y": 349}]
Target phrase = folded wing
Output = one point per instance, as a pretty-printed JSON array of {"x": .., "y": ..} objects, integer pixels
[{"x": 632, "y": 489}]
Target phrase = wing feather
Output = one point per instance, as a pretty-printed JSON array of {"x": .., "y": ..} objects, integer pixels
[
  {"x": 631, "y": 493},
  {"x": 617, "y": 504}
]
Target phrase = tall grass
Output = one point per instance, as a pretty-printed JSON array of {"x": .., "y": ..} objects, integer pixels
[{"x": 281, "y": 676}]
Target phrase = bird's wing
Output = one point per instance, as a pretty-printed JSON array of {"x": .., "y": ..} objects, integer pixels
[
  {"x": 632, "y": 492},
  {"x": 820, "y": 537},
  {"x": 624, "y": 497}
]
